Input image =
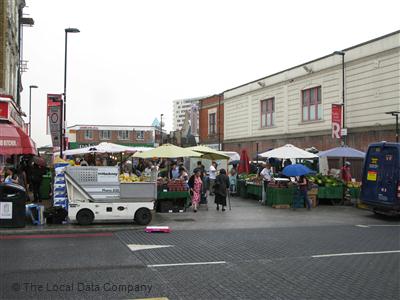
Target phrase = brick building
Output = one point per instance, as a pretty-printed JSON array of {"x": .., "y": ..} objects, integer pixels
[
  {"x": 295, "y": 105},
  {"x": 86, "y": 135},
  {"x": 14, "y": 139},
  {"x": 211, "y": 121}
]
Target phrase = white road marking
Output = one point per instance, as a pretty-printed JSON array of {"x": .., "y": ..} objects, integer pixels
[
  {"x": 136, "y": 247},
  {"x": 379, "y": 225},
  {"x": 354, "y": 253},
  {"x": 188, "y": 264}
]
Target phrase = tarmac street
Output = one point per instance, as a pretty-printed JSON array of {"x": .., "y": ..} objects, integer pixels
[{"x": 356, "y": 257}]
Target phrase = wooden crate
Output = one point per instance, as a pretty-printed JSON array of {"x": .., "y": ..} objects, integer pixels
[
  {"x": 281, "y": 206},
  {"x": 313, "y": 191},
  {"x": 314, "y": 200}
]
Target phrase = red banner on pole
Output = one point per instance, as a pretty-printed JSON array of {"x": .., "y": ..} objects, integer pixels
[
  {"x": 336, "y": 121},
  {"x": 54, "y": 117}
]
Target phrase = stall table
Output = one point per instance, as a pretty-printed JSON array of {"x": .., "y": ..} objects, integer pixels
[
  {"x": 242, "y": 190},
  {"x": 280, "y": 195},
  {"x": 332, "y": 193},
  {"x": 172, "y": 201},
  {"x": 254, "y": 190},
  {"x": 355, "y": 192}
]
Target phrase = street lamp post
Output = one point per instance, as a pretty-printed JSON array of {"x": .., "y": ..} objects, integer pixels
[
  {"x": 161, "y": 134},
  {"x": 67, "y": 30},
  {"x": 396, "y": 115},
  {"x": 219, "y": 122},
  {"x": 342, "y": 53},
  {"x": 30, "y": 106}
]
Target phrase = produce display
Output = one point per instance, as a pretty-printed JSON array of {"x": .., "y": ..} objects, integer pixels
[
  {"x": 353, "y": 184},
  {"x": 133, "y": 178},
  {"x": 172, "y": 185},
  {"x": 327, "y": 181},
  {"x": 254, "y": 178},
  {"x": 330, "y": 181}
]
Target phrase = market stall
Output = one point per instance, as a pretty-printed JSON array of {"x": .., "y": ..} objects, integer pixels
[
  {"x": 281, "y": 192},
  {"x": 172, "y": 195},
  {"x": 250, "y": 186},
  {"x": 335, "y": 189}
]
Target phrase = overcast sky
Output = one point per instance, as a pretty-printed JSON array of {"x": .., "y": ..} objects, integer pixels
[{"x": 132, "y": 58}]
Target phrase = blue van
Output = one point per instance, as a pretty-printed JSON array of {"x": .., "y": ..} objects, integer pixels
[{"x": 380, "y": 188}]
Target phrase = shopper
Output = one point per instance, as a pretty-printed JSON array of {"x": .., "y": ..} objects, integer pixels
[
  {"x": 266, "y": 175},
  {"x": 287, "y": 162},
  {"x": 212, "y": 173},
  {"x": 345, "y": 170},
  {"x": 195, "y": 186},
  {"x": 22, "y": 180},
  {"x": 11, "y": 176},
  {"x": 302, "y": 184},
  {"x": 233, "y": 181},
  {"x": 36, "y": 179},
  {"x": 174, "y": 171},
  {"x": 201, "y": 166},
  {"x": 221, "y": 189},
  {"x": 183, "y": 175},
  {"x": 147, "y": 170}
]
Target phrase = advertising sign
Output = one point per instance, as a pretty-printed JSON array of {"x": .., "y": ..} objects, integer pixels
[
  {"x": 54, "y": 124},
  {"x": 107, "y": 174},
  {"x": 54, "y": 117},
  {"x": 6, "y": 210},
  {"x": 53, "y": 100},
  {"x": 336, "y": 121}
]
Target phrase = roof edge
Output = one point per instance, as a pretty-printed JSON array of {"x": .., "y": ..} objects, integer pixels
[{"x": 314, "y": 60}]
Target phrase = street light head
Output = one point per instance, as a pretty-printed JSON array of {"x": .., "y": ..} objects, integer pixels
[
  {"x": 393, "y": 113},
  {"x": 33, "y": 86},
  {"x": 72, "y": 30},
  {"x": 339, "y": 53}
]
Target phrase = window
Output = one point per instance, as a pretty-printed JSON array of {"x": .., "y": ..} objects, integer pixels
[
  {"x": 212, "y": 124},
  {"x": 140, "y": 135},
  {"x": 105, "y": 135},
  {"x": 123, "y": 135},
  {"x": 88, "y": 135},
  {"x": 311, "y": 104},
  {"x": 267, "y": 112}
]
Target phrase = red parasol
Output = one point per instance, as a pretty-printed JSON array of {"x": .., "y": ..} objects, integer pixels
[{"x": 244, "y": 165}]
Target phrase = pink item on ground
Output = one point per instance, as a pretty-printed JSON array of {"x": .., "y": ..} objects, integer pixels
[{"x": 165, "y": 229}]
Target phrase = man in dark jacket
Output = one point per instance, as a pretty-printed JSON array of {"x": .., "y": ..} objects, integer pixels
[{"x": 36, "y": 180}]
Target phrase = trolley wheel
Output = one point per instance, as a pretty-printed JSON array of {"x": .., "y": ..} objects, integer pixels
[
  {"x": 85, "y": 217},
  {"x": 143, "y": 216}
]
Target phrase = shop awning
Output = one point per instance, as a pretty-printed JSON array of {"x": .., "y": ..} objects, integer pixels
[{"x": 13, "y": 140}]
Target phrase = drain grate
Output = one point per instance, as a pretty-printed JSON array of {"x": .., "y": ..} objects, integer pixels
[{"x": 184, "y": 220}]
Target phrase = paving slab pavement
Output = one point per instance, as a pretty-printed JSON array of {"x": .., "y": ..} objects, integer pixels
[
  {"x": 249, "y": 213},
  {"x": 245, "y": 213}
]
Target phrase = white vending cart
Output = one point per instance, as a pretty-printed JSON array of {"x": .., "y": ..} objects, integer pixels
[{"x": 95, "y": 194}]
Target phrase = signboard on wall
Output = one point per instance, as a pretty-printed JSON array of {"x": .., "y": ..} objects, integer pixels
[{"x": 336, "y": 121}]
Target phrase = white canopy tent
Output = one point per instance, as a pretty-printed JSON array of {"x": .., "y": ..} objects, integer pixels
[
  {"x": 288, "y": 151},
  {"x": 232, "y": 155},
  {"x": 106, "y": 148}
]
